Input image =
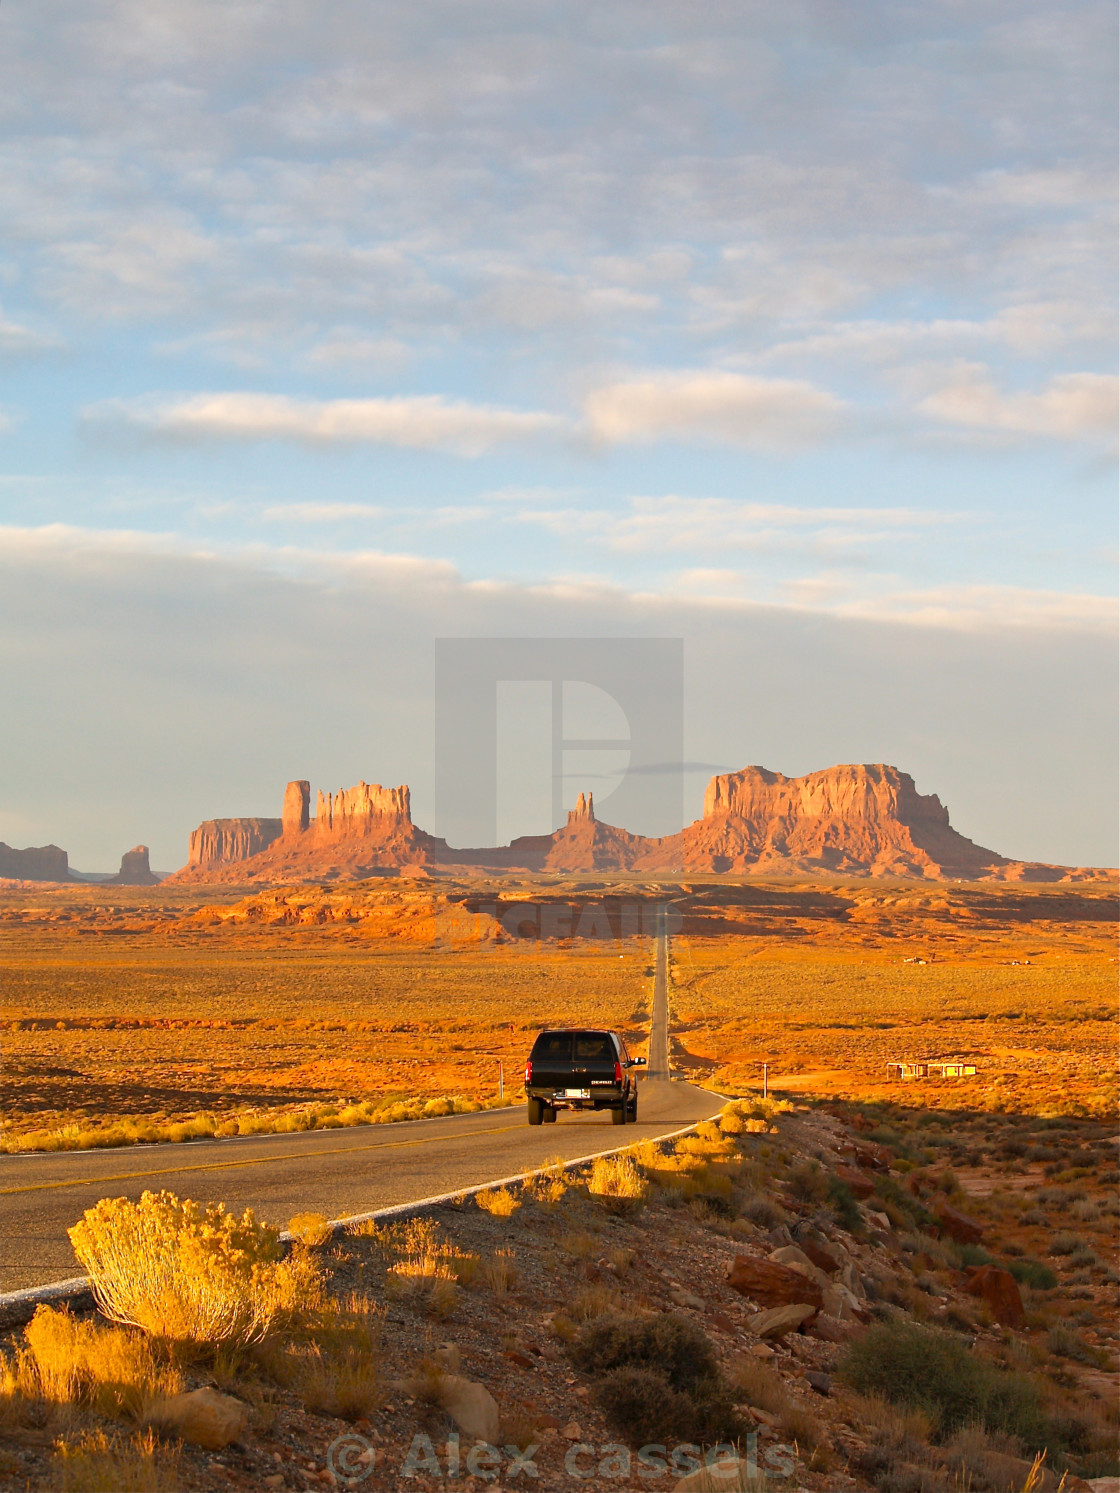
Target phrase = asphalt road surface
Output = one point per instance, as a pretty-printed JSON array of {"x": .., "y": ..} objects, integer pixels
[{"x": 335, "y": 1172}]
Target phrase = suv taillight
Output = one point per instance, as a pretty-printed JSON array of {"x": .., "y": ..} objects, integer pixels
[
  {"x": 617, "y": 1072},
  {"x": 528, "y": 1073}
]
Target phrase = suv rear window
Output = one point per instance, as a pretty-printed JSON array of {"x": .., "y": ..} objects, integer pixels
[
  {"x": 557, "y": 1045},
  {"x": 594, "y": 1045}
]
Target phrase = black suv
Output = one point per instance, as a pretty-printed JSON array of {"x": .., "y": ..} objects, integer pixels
[{"x": 574, "y": 1069}]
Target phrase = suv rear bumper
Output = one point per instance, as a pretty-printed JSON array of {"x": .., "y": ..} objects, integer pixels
[{"x": 596, "y": 1096}]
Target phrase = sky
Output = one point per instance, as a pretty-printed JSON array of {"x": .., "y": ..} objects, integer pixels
[{"x": 327, "y": 331}]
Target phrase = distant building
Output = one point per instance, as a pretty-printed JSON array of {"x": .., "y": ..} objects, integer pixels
[{"x": 932, "y": 1068}]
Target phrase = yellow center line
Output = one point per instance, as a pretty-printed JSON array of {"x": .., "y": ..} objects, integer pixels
[{"x": 214, "y": 1166}]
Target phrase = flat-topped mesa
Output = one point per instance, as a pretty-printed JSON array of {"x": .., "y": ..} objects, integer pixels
[
  {"x": 356, "y": 813},
  {"x": 218, "y": 842},
  {"x": 856, "y": 792},
  {"x": 36, "y": 863},
  {"x": 584, "y": 810}
]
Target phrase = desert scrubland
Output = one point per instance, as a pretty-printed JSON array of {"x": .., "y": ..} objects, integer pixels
[{"x": 158, "y": 1005}]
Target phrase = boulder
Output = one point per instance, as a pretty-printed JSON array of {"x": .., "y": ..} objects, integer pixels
[
  {"x": 830, "y": 1329},
  {"x": 772, "y": 1284},
  {"x": 797, "y": 1259},
  {"x": 841, "y": 1303},
  {"x": 203, "y": 1417},
  {"x": 824, "y": 1256},
  {"x": 1000, "y": 1291},
  {"x": 958, "y": 1226},
  {"x": 471, "y": 1406},
  {"x": 779, "y": 1320},
  {"x": 719, "y": 1474},
  {"x": 860, "y": 1183},
  {"x": 819, "y": 1382}
]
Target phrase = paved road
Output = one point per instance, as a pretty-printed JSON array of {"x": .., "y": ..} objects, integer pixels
[
  {"x": 336, "y": 1172},
  {"x": 659, "y": 1008}
]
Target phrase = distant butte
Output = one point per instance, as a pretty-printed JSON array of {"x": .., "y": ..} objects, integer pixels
[{"x": 855, "y": 820}]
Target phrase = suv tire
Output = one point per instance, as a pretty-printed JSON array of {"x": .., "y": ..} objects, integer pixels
[
  {"x": 536, "y": 1111},
  {"x": 619, "y": 1116},
  {"x": 549, "y": 1115}
]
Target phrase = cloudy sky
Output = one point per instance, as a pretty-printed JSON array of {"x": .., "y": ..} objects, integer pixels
[{"x": 787, "y": 329}]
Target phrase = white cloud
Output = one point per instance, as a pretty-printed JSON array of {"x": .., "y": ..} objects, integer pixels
[
  {"x": 673, "y": 523},
  {"x": 712, "y": 406},
  {"x": 423, "y": 422},
  {"x": 1071, "y": 406}
]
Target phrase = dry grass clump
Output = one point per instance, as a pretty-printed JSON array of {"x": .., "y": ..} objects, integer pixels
[
  {"x": 188, "y": 1273},
  {"x": 498, "y": 1201},
  {"x": 310, "y": 1229},
  {"x": 593, "y": 1301},
  {"x": 550, "y": 1186},
  {"x": 333, "y": 1361},
  {"x": 114, "y": 1371},
  {"x": 499, "y": 1272},
  {"x": 617, "y": 1183},
  {"x": 580, "y": 1244},
  {"x": 759, "y": 1385},
  {"x": 96, "y": 1463}
]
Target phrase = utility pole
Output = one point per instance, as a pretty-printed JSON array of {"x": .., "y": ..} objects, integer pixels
[
  {"x": 501, "y": 1080},
  {"x": 766, "y": 1080}
]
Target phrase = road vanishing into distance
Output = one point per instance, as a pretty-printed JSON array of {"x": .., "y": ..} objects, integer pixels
[{"x": 335, "y": 1172}]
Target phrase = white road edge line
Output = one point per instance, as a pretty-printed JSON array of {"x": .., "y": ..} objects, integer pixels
[{"x": 13, "y": 1302}]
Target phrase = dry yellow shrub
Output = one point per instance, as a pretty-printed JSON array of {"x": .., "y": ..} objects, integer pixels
[
  {"x": 498, "y": 1201},
  {"x": 617, "y": 1182},
  {"x": 96, "y": 1464},
  {"x": 110, "y": 1368},
  {"x": 499, "y": 1272},
  {"x": 190, "y": 1273},
  {"x": 310, "y": 1228}
]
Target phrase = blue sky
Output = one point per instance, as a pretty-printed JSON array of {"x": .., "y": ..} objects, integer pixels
[{"x": 748, "y": 323}]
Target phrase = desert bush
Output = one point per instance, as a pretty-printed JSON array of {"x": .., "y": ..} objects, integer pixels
[
  {"x": 763, "y": 1212},
  {"x": 310, "y": 1228},
  {"x": 658, "y": 1375},
  {"x": 931, "y": 1371},
  {"x": 668, "y": 1342},
  {"x": 617, "y": 1183},
  {"x": 96, "y": 1463},
  {"x": 1033, "y": 1273},
  {"x": 1062, "y": 1342},
  {"x": 195, "y": 1274},
  {"x": 499, "y": 1202},
  {"x": 346, "y": 1384},
  {"x": 1064, "y": 1243},
  {"x": 731, "y": 1122},
  {"x": 843, "y": 1206},
  {"x": 621, "y": 1259},
  {"x": 113, "y": 1370},
  {"x": 808, "y": 1182},
  {"x": 581, "y": 1245}
]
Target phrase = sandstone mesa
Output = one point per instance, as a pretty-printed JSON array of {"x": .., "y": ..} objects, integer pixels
[{"x": 863, "y": 819}]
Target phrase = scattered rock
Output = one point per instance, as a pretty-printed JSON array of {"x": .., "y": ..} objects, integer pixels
[
  {"x": 860, "y": 1183},
  {"x": 203, "y": 1417},
  {"x": 687, "y": 1298},
  {"x": 842, "y": 1303},
  {"x": 818, "y": 1381},
  {"x": 797, "y": 1259},
  {"x": 771, "y": 1284},
  {"x": 732, "y": 1473},
  {"x": 958, "y": 1226},
  {"x": 1000, "y": 1290},
  {"x": 830, "y": 1329},
  {"x": 762, "y": 1350},
  {"x": 571, "y": 1432},
  {"x": 521, "y": 1359},
  {"x": 779, "y": 1320},
  {"x": 471, "y": 1406},
  {"x": 823, "y": 1256}
]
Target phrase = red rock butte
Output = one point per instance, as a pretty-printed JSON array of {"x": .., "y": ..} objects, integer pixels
[{"x": 866, "y": 819}]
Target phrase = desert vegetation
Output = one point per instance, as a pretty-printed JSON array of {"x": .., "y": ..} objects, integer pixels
[{"x": 613, "y": 1305}]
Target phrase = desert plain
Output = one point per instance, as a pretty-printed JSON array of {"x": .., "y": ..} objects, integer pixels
[{"x": 158, "y": 1005}]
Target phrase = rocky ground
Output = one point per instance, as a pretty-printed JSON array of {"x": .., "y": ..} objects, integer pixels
[{"x": 788, "y": 1239}]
